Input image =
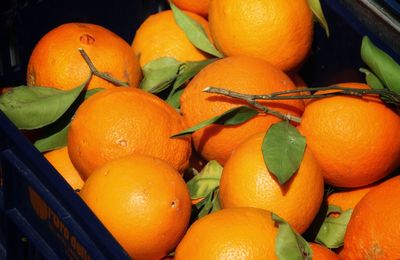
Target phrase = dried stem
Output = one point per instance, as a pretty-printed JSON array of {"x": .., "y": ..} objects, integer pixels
[
  {"x": 252, "y": 101},
  {"x": 98, "y": 73},
  {"x": 386, "y": 95}
]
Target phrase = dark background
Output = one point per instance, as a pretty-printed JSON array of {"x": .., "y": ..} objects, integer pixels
[{"x": 332, "y": 60}]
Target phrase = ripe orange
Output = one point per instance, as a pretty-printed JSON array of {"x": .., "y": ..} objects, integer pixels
[
  {"x": 246, "y": 182},
  {"x": 241, "y": 74},
  {"x": 121, "y": 121},
  {"x": 159, "y": 36},
  {"x": 348, "y": 199},
  {"x": 237, "y": 233},
  {"x": 278, "y": 31},
  {"x": 59, "y": 158},
  {"x": 56, "y": 61},
  {"x": 143, "y": 202},
  {"x": 373, "y": 231},
  {"x": 354, "y": 139},
  {"x": 322, "y": 253},
  {"x": 195, "y": 6}
]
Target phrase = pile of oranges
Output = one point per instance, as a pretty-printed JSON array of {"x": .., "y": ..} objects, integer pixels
[{"x": 121, "y": 158}]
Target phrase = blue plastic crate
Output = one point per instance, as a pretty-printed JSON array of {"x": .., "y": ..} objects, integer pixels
[{"x": 41, "y": 217}]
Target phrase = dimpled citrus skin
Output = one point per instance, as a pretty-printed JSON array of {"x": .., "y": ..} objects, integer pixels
[
  {"x": 59, "y": 158},
  {"x": 195, "y": 6},
  {"x": 278, "y": 31},
  {"x": 237, "y": 233},
  {"x": 143, "y": 202},
  {"x": 246, "y": 182},
  {"x": 159, "y": 36},
  {"x": 241, "y": 74},
  {"x": 322, "y": 253},
  {"x": 122, "y": 121},
  {"x": 373, "y": 231},
  {"x": 354, "y": 139},
  {"x": 56, "y": 61}
]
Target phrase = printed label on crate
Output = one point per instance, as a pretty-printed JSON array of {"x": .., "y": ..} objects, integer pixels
[{"x": 73, "y": 248}]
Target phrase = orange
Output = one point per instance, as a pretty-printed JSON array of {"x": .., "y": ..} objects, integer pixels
[
  {"x": 241, "y": 74},
  {"x": 159, "y": 36},
  {"x": 354, "y": 139},
  {"x": 237, "y": 233},
  {"x": 121, "y": 121},
  {"x": 56, "y": 61},
  {"x": 348, "y": 199},
  {"x": 246, "y": 182},
  {"x": 195, "y": 6},
  {"x": 278, "y": 31},
  {"x": 143, "y": 202},
  {"x": 373, "y": 231},
  {"x": 322, "y": 253},
  {"x": 59, "y": 158}
]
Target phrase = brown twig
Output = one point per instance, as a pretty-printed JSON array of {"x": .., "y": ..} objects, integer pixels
[
  {"x": 98, "y": 73},
  {"x": 386, "y": 95},
  {"x": 253, "y": 102}
]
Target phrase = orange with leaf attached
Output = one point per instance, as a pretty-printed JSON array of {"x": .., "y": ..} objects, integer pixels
[
  {"x": 247, "y": 182},
  {"x": 241, "y": 74},
  {"x": 56, "y": 61},
  {"x": 159, "y": 36}
]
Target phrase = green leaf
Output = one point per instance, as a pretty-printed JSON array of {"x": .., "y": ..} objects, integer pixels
[
  {"x": 216, "y": 204},
  {"x": 371, "y": 79},
  {"x": 35, "y": 107},
  {"x": 209, "y": 204},
  {"x": 289, "y": 244},
  {"x": 283, "y": 149},
  {"x": 206, "y": 181},
  {"x": 92, "y": 91},
  {"x": 194, "y": 31},
  {"x": 174, "y": 100},
  {"x": 159, "y": 74},
  {"x": 333, "y": 229},
  {"x": 188, "y": 71},
  {"x": 234, "y": 116},
  {"x": 316, "y": 8},
  {"x": 381, "y": 64},
  {"x": 205, "y": 206},
  {"x": 53, "y": 141}
]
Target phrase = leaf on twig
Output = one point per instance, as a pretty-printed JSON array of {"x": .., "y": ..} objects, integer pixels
[
  {"x": 283, "y": 149},
  {"x": 234, "y": 116}
]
